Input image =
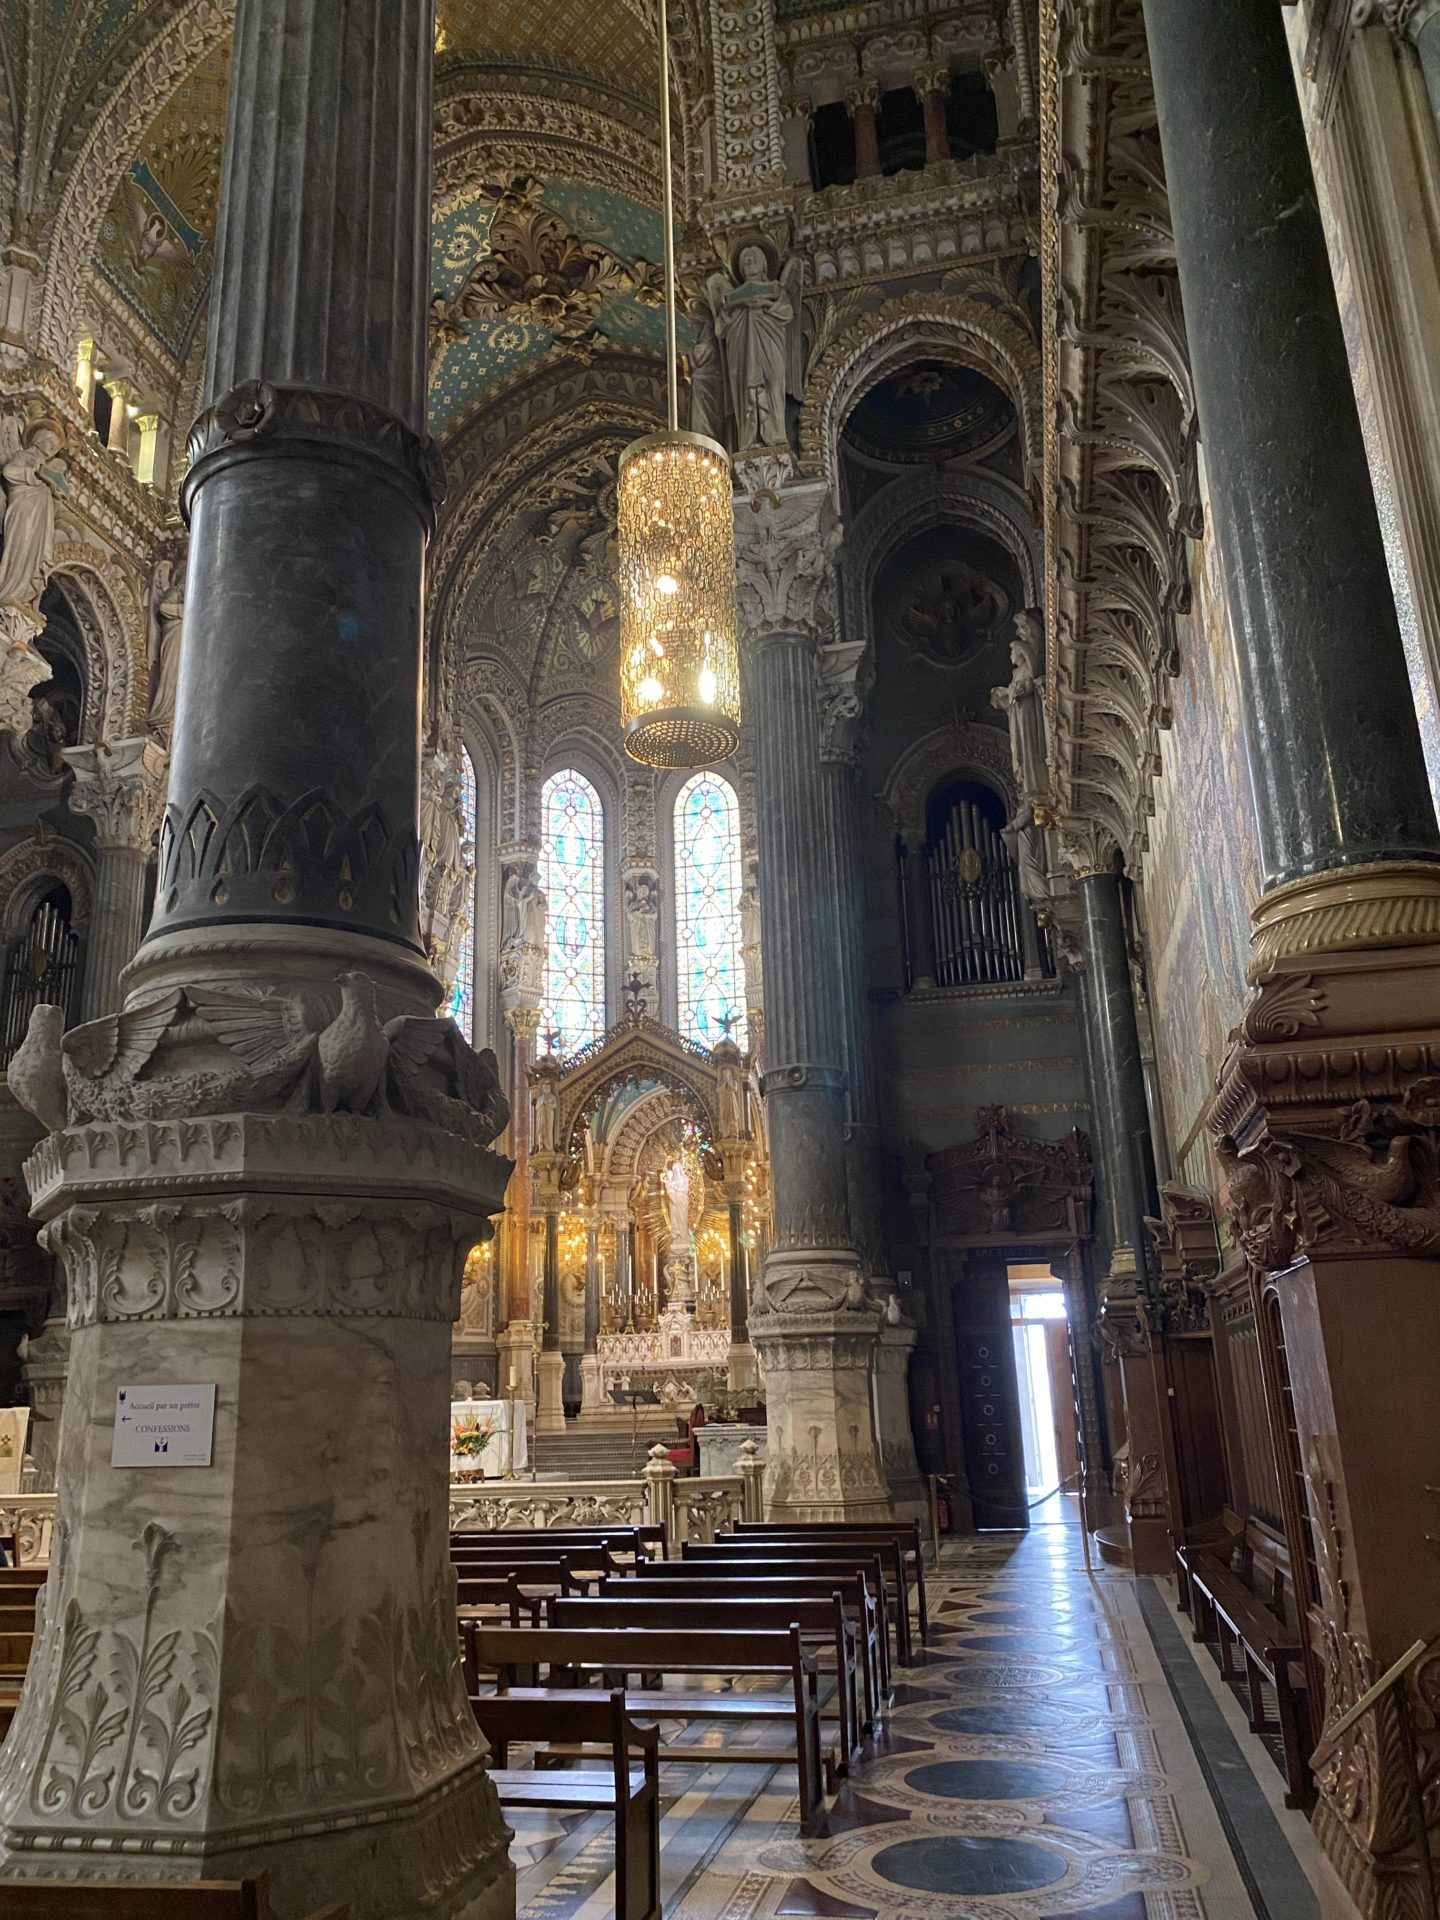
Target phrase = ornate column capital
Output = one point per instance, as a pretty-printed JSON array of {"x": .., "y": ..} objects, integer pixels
[
  {"x": 1088, "y": 847},
  {"x": 120, "y": 785},
  {"x": 1403, "y": 18},
  {"x": 785, "y": 546}
]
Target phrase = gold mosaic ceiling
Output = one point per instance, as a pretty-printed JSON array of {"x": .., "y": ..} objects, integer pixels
[{"x": 603, "y": 38}]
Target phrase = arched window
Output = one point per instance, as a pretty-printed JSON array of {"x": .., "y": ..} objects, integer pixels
[
  {"x": 709, "y": 970},
  {"x": 572, "y": 873},
  {"x": 462, "y": 994}
]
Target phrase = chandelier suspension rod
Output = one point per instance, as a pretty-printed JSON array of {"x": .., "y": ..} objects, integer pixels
[{"x": 672, "y": 355}]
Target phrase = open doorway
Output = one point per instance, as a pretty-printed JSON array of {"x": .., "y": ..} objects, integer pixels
[{"x": 1041, "y": 1334}]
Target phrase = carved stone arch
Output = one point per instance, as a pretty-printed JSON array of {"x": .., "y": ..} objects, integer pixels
[
  {"x": 951, "y": 752},
  {"x": 634, "y": 1051},
  {"x": 985, "y": 501},
  {"x": 108, "y": 615},
  {"x": 187, "y": 32},
  {"x": 28, "y": 872},
  {"x": 933, "y": 325},
  {"x": 647, "y": 1118},
  {"x": 486, "y": 129},
  {"x": 488, "y": 689}
]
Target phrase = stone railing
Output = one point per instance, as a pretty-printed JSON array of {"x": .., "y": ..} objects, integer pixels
[
  {"x": 31, "y": 1518},
  {"x": 690, "y": 1508}
]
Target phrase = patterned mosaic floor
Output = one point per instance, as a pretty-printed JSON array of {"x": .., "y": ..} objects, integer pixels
[{"x": 1035, "y": 1763}]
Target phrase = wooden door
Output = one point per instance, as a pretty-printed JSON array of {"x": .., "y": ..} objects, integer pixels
[
  {"x": 1062, "y": 1401},
  {"x": 989, "y": 1395}
]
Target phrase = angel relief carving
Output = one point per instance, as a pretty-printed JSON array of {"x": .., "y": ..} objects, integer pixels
[{"x": 748, "y": 357}]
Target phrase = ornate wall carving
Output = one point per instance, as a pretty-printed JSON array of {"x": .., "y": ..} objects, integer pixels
[{"x": 1003, "y": 1188}]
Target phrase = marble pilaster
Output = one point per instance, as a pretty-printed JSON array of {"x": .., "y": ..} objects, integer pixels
[
  {"x": 121, "y": 789},
  {"x": 265, "y": 1175},
  {"x": 810, "y": 1318}
]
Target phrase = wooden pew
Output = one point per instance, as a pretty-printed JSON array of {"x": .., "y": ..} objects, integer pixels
[
  {"x": 640, "y": 1541},
  {"x": 145, "y": 1900},
  {"x": 821, "y": 1622},
  {"x": 592, "y": 1560},
  {"x": 752, "y": 1560},
  {"x": 552, "y": 1572},
  {"x": 631, "y": 1793},
  {"x": 643, "y": 1650},
  {"x": 906, "y": 1533},
  {"x": 1237, "y": 1588},
  {"x": 688, "y": 1580}
]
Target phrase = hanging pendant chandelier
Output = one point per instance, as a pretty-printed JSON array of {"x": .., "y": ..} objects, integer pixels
[{"x": 679, "y": 657}]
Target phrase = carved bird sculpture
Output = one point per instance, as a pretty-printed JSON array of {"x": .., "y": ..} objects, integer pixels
[
  {"x": 353, "y": 1050},
  {"x": 435, "y": 1074},
  {"x": 104, "y": 1059},
  {"x": 36, "y": 1074}
]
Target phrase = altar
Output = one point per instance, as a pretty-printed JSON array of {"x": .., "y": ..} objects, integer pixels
[
  {"x": 504, "y": 1454},
  {"x": 678, "y": 1361}
]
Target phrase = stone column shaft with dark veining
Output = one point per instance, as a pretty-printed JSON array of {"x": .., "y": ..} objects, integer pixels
[
  {"x": 1325, "y": 701},
  {"x": 1118, "y": 1079},
  {"x": 810, "y": 1320},
  {"x": 263, "y": 1176}
]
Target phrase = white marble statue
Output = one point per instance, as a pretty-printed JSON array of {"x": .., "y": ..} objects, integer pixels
[
  {"x": 750, "y": 911},
  {"x": 730, "y": 1099},
  {"x": 642, "y": 914},
  {"x": 523, "y": 920},
  {"x": 1020, "y": 698},
  {"x": 677, "y": 1196},
  {"x": 758, "y": 328},
  {"x": 1030, "y": 847},
  {"x": 167, "y": 615},
  {"x": 33, "y": 474},
  {"x": 545, "y": 1136}
]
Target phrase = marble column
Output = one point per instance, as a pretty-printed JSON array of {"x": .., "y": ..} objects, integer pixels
[
  {"x": 263, "y": 1178},
  {"x": 117, "y": 440},
  {"x": 1117, "y": 1076},
  {"x": 742, "y": 1377},
  {"x": 120, "y": 788},
  {"x": 1323, "y": 1119},
  {"x": 810, "y": 1318},
  {"x": 550, "y": 1365},
  {"x": 866, "y": 125},
  {"x": 932, "y": 87},
  {"x": 515, "y": 1342}
]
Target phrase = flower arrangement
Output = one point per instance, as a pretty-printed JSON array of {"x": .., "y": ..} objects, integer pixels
[{"x": 470, "y": 1436}]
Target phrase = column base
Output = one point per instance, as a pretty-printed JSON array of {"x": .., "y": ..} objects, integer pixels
[
  {"x": 591, "y": 1398},
  {"x": 515, "y": 1364},
  {"x": 550, "y": 1415},
  {"x": 908, "y": 1494},
  {"x": 742, "y": 1374},
  {"x": 815, "y": 1334}
]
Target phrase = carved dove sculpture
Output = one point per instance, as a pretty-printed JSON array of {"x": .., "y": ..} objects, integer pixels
[
  {"x": 36, "y": 1074},
  {"x": 353, "y": 1050},
  {"x": 435, "y": 1074}
]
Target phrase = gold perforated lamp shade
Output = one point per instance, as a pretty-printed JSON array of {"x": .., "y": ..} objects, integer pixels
[{"x": 679, "y": 662}]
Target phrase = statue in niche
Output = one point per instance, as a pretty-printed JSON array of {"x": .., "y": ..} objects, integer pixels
[
  {"x": 642, "y": 915},
  {"x": 33, "y": 474},
  {"x": 166, "y": 621},
  {"x": 758, "y": 327},
  {"x": 1029, "y": 845},
  {"x": 1021, "y": 699},
  {"x": 750, "y": 909},
  {"x": 442, "y": 823},
  {"x": 545, "y": 1135},
  {"x": 677, "y": 1198},
  {"x": 950, "y": 616},
  {"x": 730, "y": 1099},
  {"x": 523, "y": 920}
]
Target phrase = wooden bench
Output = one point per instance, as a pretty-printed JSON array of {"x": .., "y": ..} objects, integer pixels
[
  {"x": 905, "y": 1533},
  {"x": 753, "y": 1559},
  {"x": 552, "y": 1573},
  {"x": 1220, "y": 1593},
  {"x": 584, "y": 1561},
  {"x": 640, "y": 1541},
  {"x": 823, "y": 1624},
  {"x": 145, "y": 1900},
  {"x": 688, "y": 1580},
  {"x": 623, "y": 1650},
  {"x": 631, "y": 1793}
]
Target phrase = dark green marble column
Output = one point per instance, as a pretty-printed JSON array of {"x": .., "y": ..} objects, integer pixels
[{"x": 1117, "y": 1079}]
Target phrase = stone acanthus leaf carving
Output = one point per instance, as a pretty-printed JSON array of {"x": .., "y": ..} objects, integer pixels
[
  {"x": 121, "y": 787},
  {"x": 785, "y": 551},
  {"x": 1285, "y": 1005},
  {"x": 447, "y": 863},
  {"x": 188, "y": 1053},
  {"x": 535, "y": 269}
]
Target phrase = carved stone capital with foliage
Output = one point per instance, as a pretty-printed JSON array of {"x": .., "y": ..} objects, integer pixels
[
  {"x": 121, "y": 787},
  {"x": 785, "y": 547}
]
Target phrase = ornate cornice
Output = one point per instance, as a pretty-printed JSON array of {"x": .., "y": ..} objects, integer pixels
[{"x": 1121, "y": 495}]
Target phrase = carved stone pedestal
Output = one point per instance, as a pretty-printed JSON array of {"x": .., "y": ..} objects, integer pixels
[
  {"x": 233, "y": 1655},
  {"x": 515, "y": 1365},
  {"x": 741, "y": 1373},
  {"x": 815, "y": 1334},
  {"x": 894, "y": 1432},
  {"x": 1327, "y": 1122},
  {"x": 550, "y": 1416}
]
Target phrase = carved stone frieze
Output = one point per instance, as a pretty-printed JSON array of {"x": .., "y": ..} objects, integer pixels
[{"x": 1120, "y": 477}]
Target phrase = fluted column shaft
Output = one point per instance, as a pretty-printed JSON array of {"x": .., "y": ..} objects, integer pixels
[
  {"x": 1113, "y": 1051},
  {"x": 1325, "y": 701}
]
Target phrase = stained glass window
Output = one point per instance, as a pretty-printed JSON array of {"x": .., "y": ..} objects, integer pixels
[
  {"x": 707, "y": 911},
  {"x": 572, "y": 873},
  {"x": 462, "y": 994}
]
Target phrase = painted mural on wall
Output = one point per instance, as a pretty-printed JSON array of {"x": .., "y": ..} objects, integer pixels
[
  {"x": 156, "y": 245},
  {"x": 1202, "y": 874}
]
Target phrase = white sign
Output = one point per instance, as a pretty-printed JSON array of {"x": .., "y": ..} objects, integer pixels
[{"x": 163, "y": 1427}]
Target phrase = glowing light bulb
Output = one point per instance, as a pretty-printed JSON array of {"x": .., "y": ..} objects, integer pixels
[
  {"x": 650, "y": 690},
  {"x": 667, "y": 583},
  {"x": 708, "y": 685}
]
